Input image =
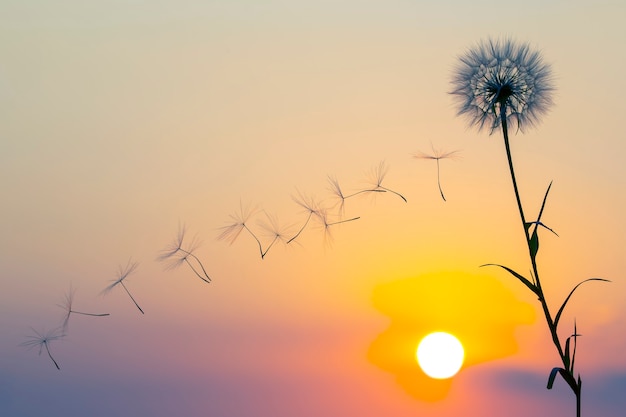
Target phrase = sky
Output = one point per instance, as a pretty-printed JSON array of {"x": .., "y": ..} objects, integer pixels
[{"x": 124, "y": 121}]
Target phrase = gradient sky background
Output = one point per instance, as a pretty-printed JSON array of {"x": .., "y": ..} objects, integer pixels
[{"x": 121, "y": 119}]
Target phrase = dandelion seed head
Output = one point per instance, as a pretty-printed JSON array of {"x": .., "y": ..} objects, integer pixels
[
  {"x": 122, "y": 274},
  {"x": 173, "y": 248},
  {"x": 67, "y": 306},
  {"x": 175, "y": 254},
  {"x": 378, "y": 173},
  {"x": 502, "y": 77},
  {"x": 271, "y": 227},
  {"x": 337, "y": 194},
  {"x": 39, "y": 339},
  {"x": 325, "y": 223},
  {"x": 437, "y": 154},
  {"x": 231, "y": 232},
  {"x": 309, "y": 204}
]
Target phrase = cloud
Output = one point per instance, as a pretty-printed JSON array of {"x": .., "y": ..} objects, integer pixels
[{"x": 478, "y": 309}]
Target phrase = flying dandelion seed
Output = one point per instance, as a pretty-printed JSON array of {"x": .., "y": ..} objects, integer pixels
[
  {"x": 175, "y": 255},
  {"x": 310, "y": 206},
  {"x": 338, "y": 194},
  {"x": 437, "y": 155},
  {"x": 377, "y": 175},
  {"x": 42, "y": 340},
  {"x": 67, "y": 306},
  {"x": 273, "y": 230},
  {"x": 123, "y": 273},
  {"x": 326, "y": 224},
  {"x": 232, "y": 231}
]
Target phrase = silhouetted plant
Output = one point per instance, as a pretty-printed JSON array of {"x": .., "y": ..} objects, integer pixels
[
  {"x": 502, "y": 84},
  {"x": 437, "y": 155},
  {"x": 175, "y": 255},
  {"x": 67, "y": 306},
  {"x": 42, "y": 340},
  {"x": 123, "y": 273}
]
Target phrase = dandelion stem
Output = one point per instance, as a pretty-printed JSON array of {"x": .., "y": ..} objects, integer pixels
[
  {"x": 45, "y": 343},
  {"x": 255, "y": 238},
  {"x": 90, "y": 314},
  {"x": 269, "y": 247},
  {"x": 394, "y": 192},
  {"x": 343, "y": 221},
  {"x": 505, "y": 133},
  {"x": 302, "y": 228},
  {"x": 195, "y": 271},
  {"x": 369, "y": 190},
  {"x": 576, "y": 387},
  {"x": 131, "y": 297},
  {"x": 439, "y": 181},
  {"x": 207, "y": 279}
]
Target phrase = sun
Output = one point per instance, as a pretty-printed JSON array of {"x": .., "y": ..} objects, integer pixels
[{"x": 440, "y": 355}]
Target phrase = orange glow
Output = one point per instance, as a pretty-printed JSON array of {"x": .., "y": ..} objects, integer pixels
[{"x": 478, "y": 309}]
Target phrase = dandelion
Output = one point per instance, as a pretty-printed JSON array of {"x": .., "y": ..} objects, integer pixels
[
  {"x": 232, "y": 231},
  {"x": 437, "y": 155},
  {"x": 42, "y": 340},
  {"x": 67, "y": 306},
  {"x": 500, "y": 82},
  {"x": 123, "y": 273},
  {"x": 377, "y": 175},
  {"x": 175, "y": 254}
]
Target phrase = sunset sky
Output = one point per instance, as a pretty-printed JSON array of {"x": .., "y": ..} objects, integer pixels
[{"x": 122, "y": 120}]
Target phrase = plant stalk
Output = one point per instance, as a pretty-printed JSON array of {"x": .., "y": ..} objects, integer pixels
[{"x": 544, "y": 305}]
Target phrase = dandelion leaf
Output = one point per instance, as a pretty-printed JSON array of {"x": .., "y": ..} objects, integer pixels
[
  {"x": 533, "y": 244},
  {"x": 524, "y": 280},
  {"x": 566, "y": 355},
  {"x": 560, "y": 312},
  {"x": 552, "y": 377},
  {"x": 566, "y": 376}
]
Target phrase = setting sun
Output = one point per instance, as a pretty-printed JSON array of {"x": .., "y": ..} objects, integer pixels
[{"x": 440, "y": 355}]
